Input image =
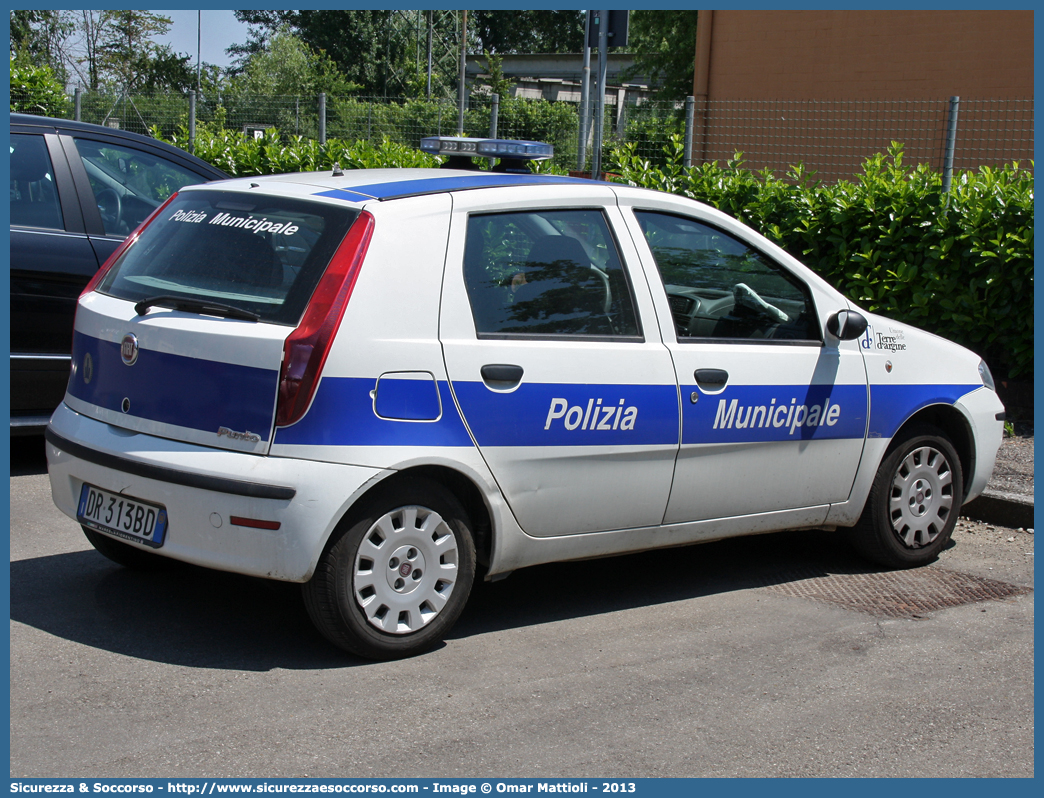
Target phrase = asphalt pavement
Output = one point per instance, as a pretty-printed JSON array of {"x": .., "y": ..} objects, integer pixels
[
  {"x": 1008, "y": 498},
  {"x": 776, "y": 655}
]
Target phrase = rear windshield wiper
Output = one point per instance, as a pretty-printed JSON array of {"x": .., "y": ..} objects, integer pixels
[{"x": 194, "y": 306}]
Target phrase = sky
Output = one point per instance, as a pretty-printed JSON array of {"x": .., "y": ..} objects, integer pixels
[{"x": 219, "y": 29}]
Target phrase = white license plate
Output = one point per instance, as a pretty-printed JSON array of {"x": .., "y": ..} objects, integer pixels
[{"x": 122, "y": 516}]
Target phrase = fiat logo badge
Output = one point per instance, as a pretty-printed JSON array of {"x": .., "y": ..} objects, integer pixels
[
  {"x": 405, "y": 568},
  {"x": 129, "y": 349}
]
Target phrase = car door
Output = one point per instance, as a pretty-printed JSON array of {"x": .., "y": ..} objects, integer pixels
[
  {"x": 556, "y": 362},
  {"x": 773, "y": 416},
  {"x": 51, "y": 261}
]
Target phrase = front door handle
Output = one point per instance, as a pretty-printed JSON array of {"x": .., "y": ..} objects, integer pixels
[
  {"x": 502, "y": 375},
  {"x": 711, "y": 379}
]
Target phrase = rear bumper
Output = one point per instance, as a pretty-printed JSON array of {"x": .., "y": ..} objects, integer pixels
[{"x": 202, "y": 488}]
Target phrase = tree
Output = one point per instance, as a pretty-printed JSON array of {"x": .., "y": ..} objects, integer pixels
[
  {"x": 127, "y": 50},
  {"x": 385, "y": 52},
  {"x": 378, "y": 51},
  {"x": 86, "y": 56},
  {"x": 166, "y": 71},
  {"x": 114, "y": 50},
  {"x": 664, "y": 47},
  {"x": 497, "y": 83},
  {"x": 35, "y": 89},
  {"x": 529, "y": 31},
  {"x": 288, "y": 66},
  {"x": 43, "y": 37}
]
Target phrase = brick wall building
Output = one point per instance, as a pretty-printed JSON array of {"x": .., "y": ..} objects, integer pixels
[{"x": 829, "y": 88}]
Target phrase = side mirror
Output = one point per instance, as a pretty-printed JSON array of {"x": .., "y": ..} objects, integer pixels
[{"x": 847, "y": 325}]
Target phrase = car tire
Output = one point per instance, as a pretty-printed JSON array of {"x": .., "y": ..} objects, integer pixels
[
  {"x": 914, "y": 502},
  {"x": 129, "y": 555},
  {"x": 396, "y": 575}
]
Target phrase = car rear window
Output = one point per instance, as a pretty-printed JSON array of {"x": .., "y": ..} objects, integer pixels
[{"x": 257, "y": 253}]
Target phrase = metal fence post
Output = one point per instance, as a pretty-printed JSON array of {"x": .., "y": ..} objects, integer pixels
[
  {"x": 494, "y": 115},
  {"x": 599, "y": 122},
  {"x": 192, "y": 122},
  {"x": 322, "y": 117},
  {"x": 951, "y": 142},
  {"x": 463, "y": 86},
  {"x": 77, "y": 103},
  {"x": 690, "y": 116},
  {"x": 585, "y": 92}
]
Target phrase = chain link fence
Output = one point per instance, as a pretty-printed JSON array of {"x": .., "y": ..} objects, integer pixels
[{"x": 831, "y": 138}]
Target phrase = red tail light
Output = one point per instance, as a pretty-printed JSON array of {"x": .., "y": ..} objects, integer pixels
[
  {"x": 306, "y": 348},
  {"x": 115, "y": 256}
]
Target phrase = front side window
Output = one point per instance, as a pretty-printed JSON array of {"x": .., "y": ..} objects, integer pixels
[
  {"x": 718, "y": 287},
  {"x": 547, "y": 273},
  {"x": 263, "y": 255},
  {"x": 34, "y": 200},
  {"x": 129, "y": 184}
]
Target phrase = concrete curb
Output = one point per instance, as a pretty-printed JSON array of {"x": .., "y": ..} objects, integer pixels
[{"x": 1001, "y": 509}]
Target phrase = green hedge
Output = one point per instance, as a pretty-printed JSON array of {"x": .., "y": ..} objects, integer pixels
[
  {"x": 240, "y": 155},
  {"x": 960, "y": 266},
  {"x": 35, "y": 89}
]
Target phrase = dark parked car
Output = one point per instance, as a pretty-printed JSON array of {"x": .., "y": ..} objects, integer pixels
[{"x": 77, "y": 190}]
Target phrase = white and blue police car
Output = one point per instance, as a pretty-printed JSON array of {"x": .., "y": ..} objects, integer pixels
[{"x": 376, "y": 383}]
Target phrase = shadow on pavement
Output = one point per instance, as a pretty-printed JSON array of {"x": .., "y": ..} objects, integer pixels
[
  {"x": 184, "y": 615},
  {"x": 200, "y": 618},
  {"x": 569, "y": 590},
  {"x": 28, "y": 456}
]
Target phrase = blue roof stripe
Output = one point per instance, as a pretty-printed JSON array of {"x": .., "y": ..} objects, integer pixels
[
  {"x": 405, "y": 188},
  {"x": 344, "y": 194}
]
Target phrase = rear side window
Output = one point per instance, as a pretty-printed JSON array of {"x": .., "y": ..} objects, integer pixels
[
  {"x": 547, "y": 273},
  {"x": 34, "y": 200},
  {"x": 261, "y": 254}
]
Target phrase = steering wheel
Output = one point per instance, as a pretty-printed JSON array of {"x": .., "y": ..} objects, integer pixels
[
  {"x": 748, "y": 297},
  {"x": 111, "y": 208}
]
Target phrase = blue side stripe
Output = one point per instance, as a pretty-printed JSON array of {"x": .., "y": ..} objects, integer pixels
[
  {"x": 403, "y": 188},
  {"x": 175, "y": 389},
  {"x": 891, "y": 405},
  {"x": 342, "y": 415},
  {"x": 549, "y": 414},
  {"x": 761, "y": 413}
]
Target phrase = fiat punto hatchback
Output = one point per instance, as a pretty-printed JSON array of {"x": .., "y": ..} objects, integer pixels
[{"x": 378, "y": 383}]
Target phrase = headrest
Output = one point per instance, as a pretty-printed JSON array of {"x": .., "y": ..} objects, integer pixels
[{"x": 551, "y": 249}]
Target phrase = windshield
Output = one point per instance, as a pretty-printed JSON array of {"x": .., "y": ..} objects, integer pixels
[{"x": 260, "y": 254}]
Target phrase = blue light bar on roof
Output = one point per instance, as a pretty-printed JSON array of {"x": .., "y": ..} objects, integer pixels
[
  {"x": 505, "y": 148},
  {"x": 449, "y": 145},
  {"x": 487, "y": 148}
]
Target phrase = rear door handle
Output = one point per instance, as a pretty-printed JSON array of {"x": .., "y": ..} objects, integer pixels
[
  {"x": 711, "y": 379},
  {"x": 502, "y": 375}
]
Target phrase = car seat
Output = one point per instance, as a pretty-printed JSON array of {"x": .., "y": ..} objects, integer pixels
[{"x": 562, "y": 288}]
